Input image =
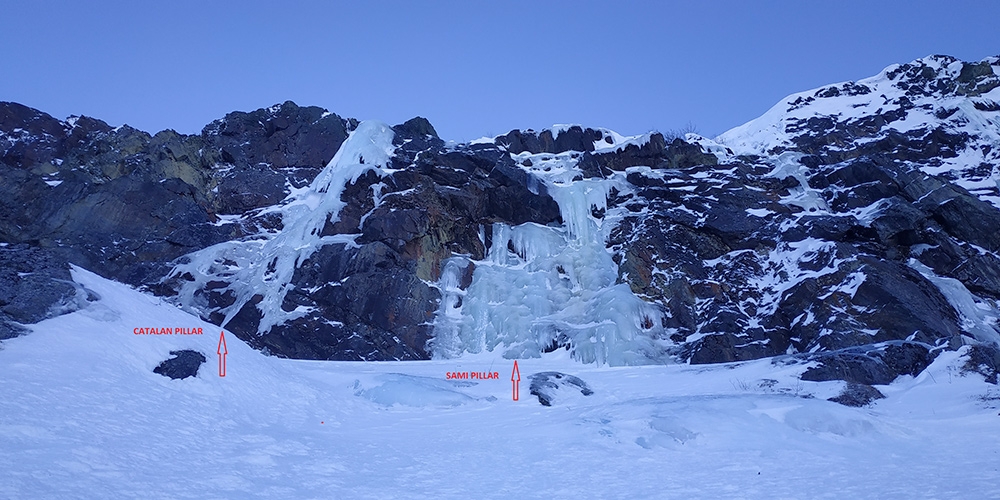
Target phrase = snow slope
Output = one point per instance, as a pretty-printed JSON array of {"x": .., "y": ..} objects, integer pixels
[{"x": 83, "y": 415}]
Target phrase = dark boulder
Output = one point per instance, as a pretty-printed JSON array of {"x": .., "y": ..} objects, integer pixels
[
  {"x": 858, "y": 395},
  {"x": 547, "y": 386},
  {"x": 980, "y": 273},
  {"x": 650, "y": 153},
  {"x": 576, "y": 138},
  {"x": 984, "y": 359},
  {"x": 183, "y": 364},
  {"x": 896, "y": 219}
]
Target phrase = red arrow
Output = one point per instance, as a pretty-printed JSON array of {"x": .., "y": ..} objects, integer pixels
[
  {"x": 222, "y": 351},
  {"x": 515, "y": 379}
]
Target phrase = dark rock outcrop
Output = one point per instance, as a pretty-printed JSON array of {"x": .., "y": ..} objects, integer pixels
[
  {"x": 35, "y": 284},
  {"x": 123, "y": 203},
  {"x": 876, "y": 365}
]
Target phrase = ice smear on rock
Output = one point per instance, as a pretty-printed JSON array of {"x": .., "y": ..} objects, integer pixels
[
  {"x": 544, "y": 287},
  {"x": 264, "y": 264},
  {"x": 788, "y": 164},
  {"x": 979, "y": 317}
]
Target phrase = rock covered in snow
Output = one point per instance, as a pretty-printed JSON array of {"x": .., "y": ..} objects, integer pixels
[
  {"x": 937, "y": 114},
  {"x": 858, "y": 395},
  {"x": 984, "y": 359},
  {"x": 550, "y": 386}
]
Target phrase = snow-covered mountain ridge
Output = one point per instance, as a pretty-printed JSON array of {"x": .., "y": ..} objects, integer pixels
[
  {"x": 855, "y": 226},
  {"x": 938, "y": 99}
]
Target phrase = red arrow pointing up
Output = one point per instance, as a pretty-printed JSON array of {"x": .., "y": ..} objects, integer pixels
[
  {"x": 222, "y": 351},
  {"x": 515, "y": 378}
]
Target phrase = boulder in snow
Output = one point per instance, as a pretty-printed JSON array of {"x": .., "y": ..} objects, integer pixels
[
  {"x": 183, "y": 364},
  {"x": 858, "y": 395},
  {"x": 985, "y": 360},
  {"x": 549, "y": 385}
]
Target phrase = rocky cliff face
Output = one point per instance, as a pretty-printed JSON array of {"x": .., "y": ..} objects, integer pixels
[{"x": 857, "y": 225}]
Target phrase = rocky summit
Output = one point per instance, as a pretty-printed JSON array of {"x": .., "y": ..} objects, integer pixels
[{"x": 855, "y": 227}]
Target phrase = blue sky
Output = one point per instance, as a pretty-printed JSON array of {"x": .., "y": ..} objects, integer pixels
[{"x": 473, "y": 68}]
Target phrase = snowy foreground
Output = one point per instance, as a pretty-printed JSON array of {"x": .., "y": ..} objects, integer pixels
[{"x": 82, "y": 415}]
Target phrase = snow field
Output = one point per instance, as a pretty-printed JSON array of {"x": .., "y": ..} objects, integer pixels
[{"x": 83, "y": 415}]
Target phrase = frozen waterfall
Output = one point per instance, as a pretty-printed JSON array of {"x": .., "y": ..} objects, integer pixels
[{"x": 539, "y": 287}]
